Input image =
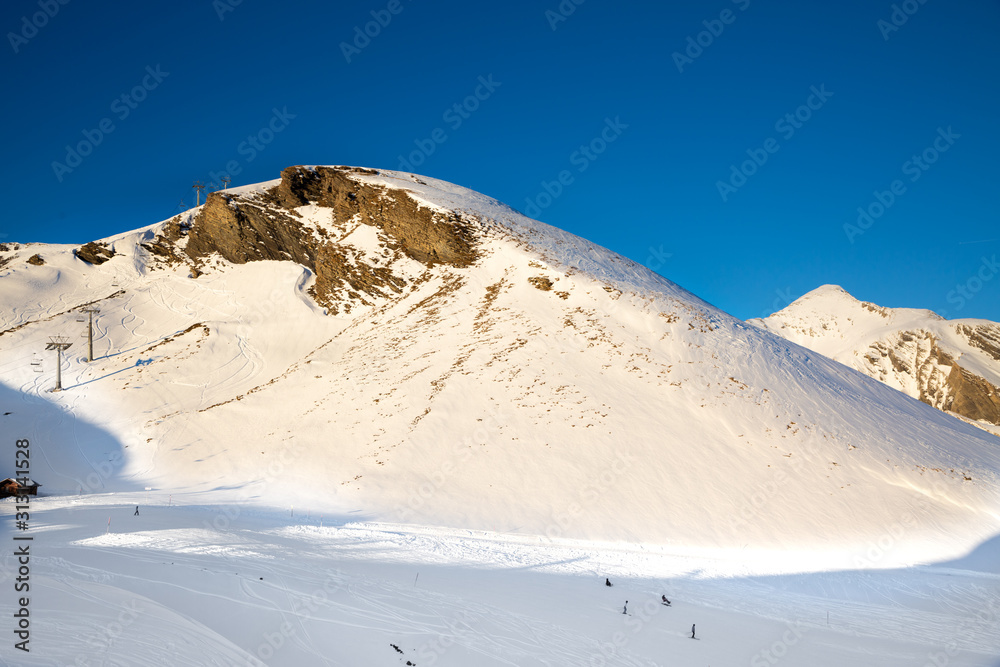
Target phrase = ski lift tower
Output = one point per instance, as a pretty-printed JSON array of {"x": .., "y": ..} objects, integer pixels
[
  {"x": 58, "y": 343},
  {"x": 199, "y": 187},
  {"x": 91, "y": 311}
]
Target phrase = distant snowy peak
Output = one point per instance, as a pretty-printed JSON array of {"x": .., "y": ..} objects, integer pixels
[{"x": 953, "y": 365}]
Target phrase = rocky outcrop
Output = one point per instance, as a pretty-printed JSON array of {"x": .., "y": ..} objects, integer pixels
[
  {"x": 984, "y": 336},
  {"x": 940, "y": 381},
  {"x": 266, "y": 226},
  {"x": 541, "y": 282},
  {"x": 973, "y": 397},
  {"x": 36, "y": 260},
  {"x": 95, "y": 253}
]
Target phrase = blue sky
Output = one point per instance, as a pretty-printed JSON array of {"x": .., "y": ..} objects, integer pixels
[{"x": 686, "y": 163}]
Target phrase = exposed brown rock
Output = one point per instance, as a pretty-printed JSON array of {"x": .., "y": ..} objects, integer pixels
[
  {"x": 973, "y": 397},
  {"x": 7, "y": 247},
  {"x": 879, "y": 310},
  {"x": 986, "y": 337},
  {"x": 246, "y": 228},
  {"x": 422, "y": 234},
  {"x": 541, "y": 282},
  {"x": 94, "y": 253},
  {"x": 163, "y": 249},
  {"x": 36, "y": 259},
  {"x": 942, "y": 382}
]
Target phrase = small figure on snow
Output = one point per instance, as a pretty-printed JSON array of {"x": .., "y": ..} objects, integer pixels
[
  {"x": 625, "y": 610},
  {"x": 692, "y": 632},
  {"x": 664, "y": 600},
  {"x": 136, "y": 511},
  {"x": 607, "y": 582}
]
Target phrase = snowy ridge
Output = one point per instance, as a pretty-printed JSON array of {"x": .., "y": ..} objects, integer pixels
[
  {"x": 454, "y": 402},
  {"x": 558, "y": 246},
  {"x": 908, "y": 349},
  {"x": 549, "y": 415}
]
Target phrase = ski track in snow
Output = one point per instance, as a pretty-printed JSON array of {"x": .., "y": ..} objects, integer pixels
[
  {"x": 714, "y": 409},
  {"x": 365, "y": 580}
]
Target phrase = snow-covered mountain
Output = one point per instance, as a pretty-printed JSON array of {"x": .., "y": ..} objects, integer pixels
[
  {"x": 953, "y": 365},
  {"x": 348, "y": 340}
]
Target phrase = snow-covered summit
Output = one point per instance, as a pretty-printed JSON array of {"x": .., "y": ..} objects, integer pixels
[
  {"x": 381, "y": 343},
  {"x": 953, "y": 365}
]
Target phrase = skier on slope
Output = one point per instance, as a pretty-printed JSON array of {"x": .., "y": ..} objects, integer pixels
[
  {"x": 692, "y": 632},
  {"x": 136, "y": 511},
  {"x": 607, "y": 582},
  {"x": 664, "y": 600},
  {"x": 625, "y": 610}
]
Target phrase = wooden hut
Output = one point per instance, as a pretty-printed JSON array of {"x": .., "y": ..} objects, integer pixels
[{"x": 11, "y": 487}]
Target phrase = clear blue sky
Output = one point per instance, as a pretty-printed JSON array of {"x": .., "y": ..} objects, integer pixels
[{"x": 652, "y": 194}]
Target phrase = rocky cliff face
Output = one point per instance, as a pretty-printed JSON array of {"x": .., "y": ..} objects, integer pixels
[
  {"x": 951, "y": 365},
  {"x": 270, "y": 225},
  {"x": 95, "y": 253},
  {"x": 938, "y": 379}
]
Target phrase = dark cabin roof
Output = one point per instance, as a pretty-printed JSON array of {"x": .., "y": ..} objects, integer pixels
[{"x": 31, "y": 482}]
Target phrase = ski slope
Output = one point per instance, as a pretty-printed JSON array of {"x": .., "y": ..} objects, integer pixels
[
  {"x": 524, "y": 426},
  {"x": 220, "y": 585}
]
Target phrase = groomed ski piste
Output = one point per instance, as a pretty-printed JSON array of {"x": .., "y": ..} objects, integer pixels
[{"x": 447, "y": 476}]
